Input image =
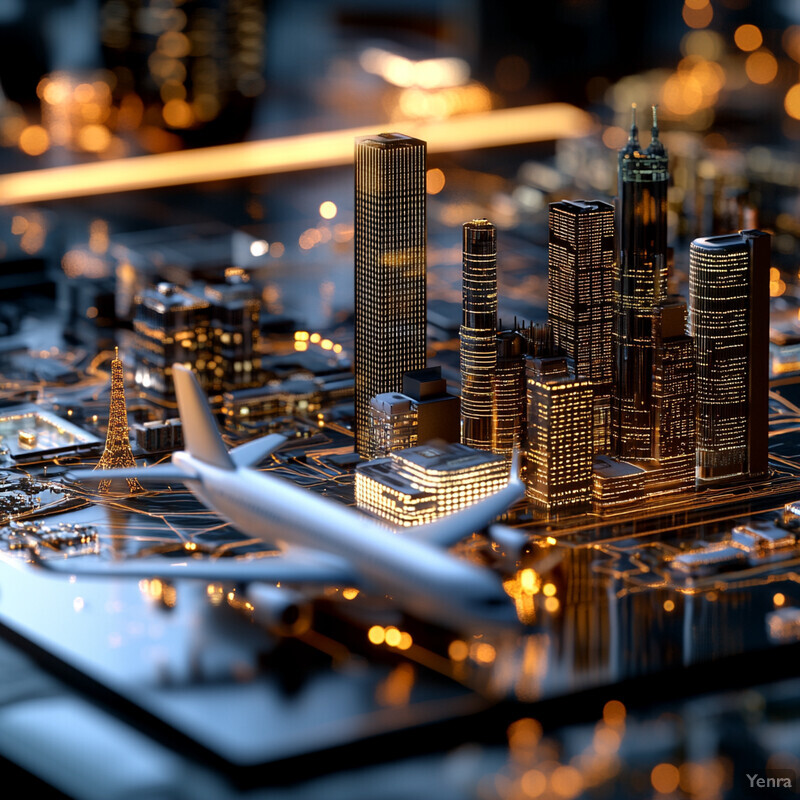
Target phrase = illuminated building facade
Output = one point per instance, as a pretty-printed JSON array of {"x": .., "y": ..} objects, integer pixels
[
  {"x": 424, "y": 412},
  {"x": 580, "y": 296},
  {"x": 674, "y": 398},
  {"x": 560, "y": 440},
  {"x": 415, "y": 486},
  {"x": 252, "y": 409},
  {"x": 235, "y": 313},
  {"x": 390, "y": 270},
  {"x": 393, "y": 419},
  {"x": 159, "y": 434},
  {"x": 508, "y": 393},
  {"x": 617, "y": 483},
  {"x": 478, "y": 348},
  {"x": 171, "y": 325},
  {"x": 117, "y": 453},
  {"x": 640, "y": 285},
  {"x": 729, "y": 320}
]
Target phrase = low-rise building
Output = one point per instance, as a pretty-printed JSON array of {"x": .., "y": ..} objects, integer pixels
[{"x": 417, "y": 485}]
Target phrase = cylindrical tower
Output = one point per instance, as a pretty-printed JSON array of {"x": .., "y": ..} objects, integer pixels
[
  {"x": 729, "y": 320},
  {"x": 478, "y": 347}
]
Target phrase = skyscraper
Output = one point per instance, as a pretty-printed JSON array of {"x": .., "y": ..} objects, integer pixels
[
  {"x": 478, "y": 347},
  {"x": 580, "y": 296},
  {"x": 640, "y": 285},
  {"x": 390, "y": 269},
  {"x": 508, "y": 393},
  {"x": 729, "y": 319},
  {"x": 560, "y": 441},
  {"x": 674, "y": 398}
]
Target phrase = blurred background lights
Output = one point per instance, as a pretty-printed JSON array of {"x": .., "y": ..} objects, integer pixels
[
  {"x": 435, "y": 181},
  {"x": 748, "y": 37},
  {"x": 761, "y": 67},
  {"x": 259, "y": 248},
  {"x": 327, "y": 209}
]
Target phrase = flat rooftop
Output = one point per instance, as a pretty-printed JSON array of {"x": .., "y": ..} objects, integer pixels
[{"x": 28, "y": 429}]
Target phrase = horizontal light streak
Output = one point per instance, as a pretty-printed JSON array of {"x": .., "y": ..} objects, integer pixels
[{"x": 291, "y": 153}]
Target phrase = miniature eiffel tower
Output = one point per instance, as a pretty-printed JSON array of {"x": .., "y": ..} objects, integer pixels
[{"x": 118, "y": 454}]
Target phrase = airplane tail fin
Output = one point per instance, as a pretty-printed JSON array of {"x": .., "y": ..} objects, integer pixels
[{"x": 200, "y": 433}]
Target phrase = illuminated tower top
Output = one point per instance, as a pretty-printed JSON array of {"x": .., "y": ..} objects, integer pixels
[
  {"x": 643, "y": 165},
  {"x": 118, "y": 453}
]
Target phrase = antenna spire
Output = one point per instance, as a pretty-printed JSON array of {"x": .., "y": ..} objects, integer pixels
[
  {"x": 634, "y": 134},
  {"x": 654, "y": 129}
]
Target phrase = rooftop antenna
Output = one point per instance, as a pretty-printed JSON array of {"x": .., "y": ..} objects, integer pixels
[{"x": 633, "y": 136}]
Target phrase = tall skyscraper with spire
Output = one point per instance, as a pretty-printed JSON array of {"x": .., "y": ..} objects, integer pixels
[
  {"x": 118, "y": 453},
  {"x": 478, "y": 348},
  {"x": 640, "y": 287},
  {"x": 390, "y": 270}
]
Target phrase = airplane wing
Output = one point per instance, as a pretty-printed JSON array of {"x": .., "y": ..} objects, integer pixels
[
  {"x": 253, "y": 453},
  {"x": 158, "y": 473},
  {"x": 316, "y": 568},
  {"x": 448, "y": 531}
]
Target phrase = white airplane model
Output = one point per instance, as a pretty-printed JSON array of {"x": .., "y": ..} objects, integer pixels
[{"x": 324, "y": 542}]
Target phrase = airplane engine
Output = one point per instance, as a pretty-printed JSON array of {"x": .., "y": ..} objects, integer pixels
[{"x": 284, "y": 612}]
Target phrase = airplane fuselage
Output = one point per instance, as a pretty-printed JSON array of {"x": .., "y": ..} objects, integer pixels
[{"x": 425, "y": 580}]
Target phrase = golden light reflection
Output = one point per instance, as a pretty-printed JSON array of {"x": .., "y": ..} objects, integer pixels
[
  {"x": 791, "y": 42},
  {"x": 430, "y": 73},
  {"x": 392, "y": 636},
  {"x": 529, "y": 581},
  {"x": 376, "y": 634},
  {"x": 458, "y": 650},
  {"x": 614, "y": 713},
  {"x": 606, "y": 740},
  {"x": 696, "y": 17},
  {"x": 761, "y": 67},
  {"x": 308, "y": 151},
  {"x": 178, "y": 113},
  {"x": 434, "y": 181},
  {"x": 34, "y": 140},
  {"x": 94, "y": 138},
  {"x": 614, "y": 137},
  {"x": 396, "y": 689},
  {"x": 566, "y": 781},
  {"x": 552, "y": 604},
  {"x": 523, "y": 737},
  {"x": 327, "y": 210},
  {"x": 778, "y": 599},
  {"x": 792, "y": 101},
  {"x": 748, "y": 37},
  {"x": 533, "y": 782},
  {"x": 483, "y": 652},
  {"x": 707, "y": 44},
  {"x": 665, "y": 778}
]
